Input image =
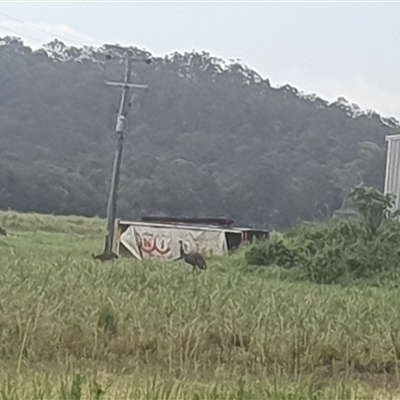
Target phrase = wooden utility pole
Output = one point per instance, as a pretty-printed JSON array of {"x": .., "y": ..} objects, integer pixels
[{"x": 108, "y": 253}]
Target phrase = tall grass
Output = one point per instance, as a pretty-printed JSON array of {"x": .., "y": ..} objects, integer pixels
[
  {"x": 33, "y": 222},
  {"x": 154, "y": 330}
]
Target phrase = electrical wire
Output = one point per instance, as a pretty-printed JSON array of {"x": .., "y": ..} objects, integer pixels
[
  {"x": 39, "y": 29},
  {"x": 19, "y": 34}
]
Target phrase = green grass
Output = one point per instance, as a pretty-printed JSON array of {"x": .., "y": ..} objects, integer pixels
[{"x": 72, "y": 328}]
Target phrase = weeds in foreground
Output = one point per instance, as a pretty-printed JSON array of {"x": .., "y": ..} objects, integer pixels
[{"x": 97, "y": 387}]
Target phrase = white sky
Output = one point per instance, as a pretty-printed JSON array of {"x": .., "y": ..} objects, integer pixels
[{"x": 349, "y": 49}]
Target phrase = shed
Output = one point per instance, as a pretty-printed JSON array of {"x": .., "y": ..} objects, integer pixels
[{"x": 158, "y": 237}]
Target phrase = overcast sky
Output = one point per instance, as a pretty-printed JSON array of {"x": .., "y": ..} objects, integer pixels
[{"x": 349, "y": 49}]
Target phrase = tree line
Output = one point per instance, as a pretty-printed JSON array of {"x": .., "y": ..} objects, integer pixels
[{"x": 205, "y": 139}]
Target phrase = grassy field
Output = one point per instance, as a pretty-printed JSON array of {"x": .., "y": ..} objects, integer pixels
[{"x": 74, "y": 328}]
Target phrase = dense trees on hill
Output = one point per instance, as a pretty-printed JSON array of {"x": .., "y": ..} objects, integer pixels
[{"x": 204, "y": 139}]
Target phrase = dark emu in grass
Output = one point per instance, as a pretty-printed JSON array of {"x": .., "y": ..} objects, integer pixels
[
  {"x": 193, "y": 258},
  {"x": 3, "y": 232}
]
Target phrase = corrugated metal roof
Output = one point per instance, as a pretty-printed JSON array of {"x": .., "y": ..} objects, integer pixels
[
  {"x": 392, "y": 137},
  {"x": 182, "y": 226},
  {"x": 208, "y": 221}
]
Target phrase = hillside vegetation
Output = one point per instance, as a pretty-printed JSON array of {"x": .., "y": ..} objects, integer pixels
[
  {"x": 206, "y": 138},
  {"x": 73, "y": 328}
]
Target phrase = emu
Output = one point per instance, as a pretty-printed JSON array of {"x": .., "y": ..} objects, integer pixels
[
  {"x": 193, "y": 258},
  {"x": 3, "y": 232}
]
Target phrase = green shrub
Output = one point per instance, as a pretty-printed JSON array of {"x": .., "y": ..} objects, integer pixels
[
  {"x": 336, "y": 251},
  {"x": 277, "y": 252}
]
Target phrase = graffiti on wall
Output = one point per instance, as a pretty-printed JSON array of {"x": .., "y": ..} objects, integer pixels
[
  {"x": 163, "y": 243},
  {"x": 154, "y": 244}
]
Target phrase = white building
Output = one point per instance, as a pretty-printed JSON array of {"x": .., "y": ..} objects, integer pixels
[{"x": 392, "y": 176}]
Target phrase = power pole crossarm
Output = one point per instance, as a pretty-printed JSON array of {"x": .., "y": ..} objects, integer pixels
[{"x": 126, "y": 85}]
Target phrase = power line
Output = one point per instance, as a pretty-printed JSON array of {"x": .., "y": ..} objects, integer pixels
[
  {"x": 19, "y": 34},
  {"x": 39, "y": 29}
]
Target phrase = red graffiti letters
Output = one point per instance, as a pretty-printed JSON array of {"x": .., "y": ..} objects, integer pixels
[{"x": 153, "y": 244}]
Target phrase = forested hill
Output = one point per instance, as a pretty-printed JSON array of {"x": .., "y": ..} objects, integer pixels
[{"x": 205, "y": 139}]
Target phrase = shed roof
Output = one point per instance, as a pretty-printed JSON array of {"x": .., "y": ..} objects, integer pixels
[
  {"x": 209, "y": 221},
  {"x": 181, "y": 226}
]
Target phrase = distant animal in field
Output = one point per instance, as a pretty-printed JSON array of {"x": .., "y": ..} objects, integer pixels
[
  {"x": 3, "y": 232},
  {"x": 104, "y": 257},
  {"x": 193, "y": 258}
]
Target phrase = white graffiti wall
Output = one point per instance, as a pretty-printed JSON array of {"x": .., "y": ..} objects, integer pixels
[{"x": 145, "y": 242}]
